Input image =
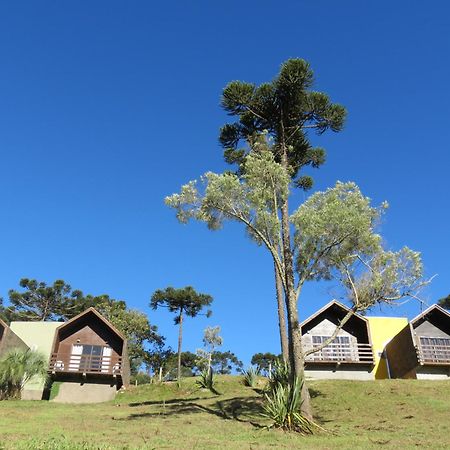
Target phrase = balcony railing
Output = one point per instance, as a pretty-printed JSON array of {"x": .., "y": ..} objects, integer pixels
[
  {"x": 347, "y": 353},
  {"x": 435, "y": 354},
  {"x": 92, "y": 364}
]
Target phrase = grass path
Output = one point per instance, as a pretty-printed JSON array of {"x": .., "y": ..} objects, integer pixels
[{"x": 379, "y": 414}]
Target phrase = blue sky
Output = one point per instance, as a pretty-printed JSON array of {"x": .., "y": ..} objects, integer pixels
[{"x": 106, "y": 107}]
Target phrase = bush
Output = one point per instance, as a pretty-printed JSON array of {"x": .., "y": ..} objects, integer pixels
[
  {"x": 207, "y": 380},
  {"x": 283, "y": 402},
  {"x": 141, "y": 378},
  {"x": 251, "y": 377},
  {"x": 17, "y": 367}
]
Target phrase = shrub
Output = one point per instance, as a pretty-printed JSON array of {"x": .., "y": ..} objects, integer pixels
[
  {"x": 17, "y": 367},
  {"x": 207, "y": 380},
  {"x": 141, "y": 378},
  {"x": 251, "y": 377},
  {"x": 283, "y": 402}
]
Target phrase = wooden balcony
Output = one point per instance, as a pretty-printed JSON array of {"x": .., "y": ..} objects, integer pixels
[
  {"x": 85, "y": 364},
  {"x": 433, "y": 354},
  {"x": 341, "y": 353}
]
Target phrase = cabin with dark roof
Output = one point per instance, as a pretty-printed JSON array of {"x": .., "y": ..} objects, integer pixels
[
  {"x": 88, "y": 349},
  {"x": 349, "y": 356},
  {"x": 422, "y": 349}
]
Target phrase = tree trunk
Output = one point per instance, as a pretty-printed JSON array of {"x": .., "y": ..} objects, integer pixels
[
  {"x": 296, "y": 356},
  {"x": 180, "y": 339},
  {"x": 281, "y": 315}
]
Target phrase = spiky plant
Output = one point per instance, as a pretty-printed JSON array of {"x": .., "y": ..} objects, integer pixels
[
  {"x": 282, "y": 405},
  {"x": 251, "y": 376},
  {"x": 207, "y": 380},
  {"x": 279, "y": 376},
  {"x": 17, "y": 367}
]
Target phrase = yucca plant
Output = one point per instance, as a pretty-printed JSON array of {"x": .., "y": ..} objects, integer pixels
[
  {"x": 251, "y": 377},
  {"x": 282, "y": 406},
  {"x": 17, "y": 367},
  {"x": 207, "y": 380},
  {"x": 279, "y": 376}
]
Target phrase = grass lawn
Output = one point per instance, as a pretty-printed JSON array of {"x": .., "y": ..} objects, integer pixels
[{"x": 378, "y": 414}]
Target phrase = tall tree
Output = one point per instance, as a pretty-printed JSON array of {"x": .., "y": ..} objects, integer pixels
[
  {"x": 334, "y": 231},
  {"x": 285, "y": 109},
  {"x": 40, "y": 301},
  {"x": 211, "y": 340},
  {"x": 183, "y": 302}
]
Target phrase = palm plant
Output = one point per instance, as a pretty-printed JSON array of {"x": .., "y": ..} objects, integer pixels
[{"x": 17, "y": 367}]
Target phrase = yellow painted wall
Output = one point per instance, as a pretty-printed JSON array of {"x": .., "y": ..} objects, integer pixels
[{"x": 382, "y": 330}]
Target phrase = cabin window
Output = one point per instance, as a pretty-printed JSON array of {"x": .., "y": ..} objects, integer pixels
[
  {"x": 90, "y": 358},
  {"x": 435, "y": 349},
  {"x": 340, "y": 348}
]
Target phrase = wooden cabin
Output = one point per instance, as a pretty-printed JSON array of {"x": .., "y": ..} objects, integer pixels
[
  {"x": 89, "y": 349},
  {"x": 349, "y": 356},
  {"x": 422, "y": 349}
]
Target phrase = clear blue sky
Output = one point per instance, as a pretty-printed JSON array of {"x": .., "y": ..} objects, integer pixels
[{"x": 106, "y": 107}]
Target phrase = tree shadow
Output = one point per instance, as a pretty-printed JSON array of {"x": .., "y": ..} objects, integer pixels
[
  {"x": 241, "y": 409},
  {"x": 313, "y": 393},
  {"x": 167, "y": 402}
]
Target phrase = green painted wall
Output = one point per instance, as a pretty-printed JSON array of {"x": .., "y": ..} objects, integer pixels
[{"x": 39, "y": 337}]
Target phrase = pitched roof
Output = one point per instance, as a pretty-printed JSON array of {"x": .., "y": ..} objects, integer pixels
[
  {"x": 328, "y": 306},
  {"x": 431, "y": 309},
  {"x": 99, "y": 316}
]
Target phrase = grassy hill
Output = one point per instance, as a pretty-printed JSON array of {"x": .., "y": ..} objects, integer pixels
[{"x": 379, "y": 414}]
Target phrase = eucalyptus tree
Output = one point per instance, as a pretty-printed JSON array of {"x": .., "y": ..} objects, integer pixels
[
  {"x": 211, "y": 340},
  {"x": 184, "y": 301},
  {"x": 335, "y": 234}
]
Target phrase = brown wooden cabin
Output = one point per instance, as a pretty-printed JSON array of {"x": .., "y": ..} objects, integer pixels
[
  {"x": 9, "y": 340},
  {"x": 422, "y": 349},
  {"x": 89, "y": 349},
  {"x": 351, "y": 349}
]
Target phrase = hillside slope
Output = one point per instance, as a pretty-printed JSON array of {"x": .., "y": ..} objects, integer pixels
[{"x": 378, "y": 414}]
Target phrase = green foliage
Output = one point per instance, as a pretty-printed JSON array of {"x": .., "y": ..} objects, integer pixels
[
  {"x": 279, "y": 376},
  {"x": 263, "y": 361},
  {"x": 140, "y": 378},
  {"x": 336, "y": 238},
  {"x": 181, "y": 301},
  {"x": 282, "y": 406},
  {"x": 285, "y": 108},
  {"x": 189, "y": 365},
  {"x": 17, "y": 367},
  {"x": 207, "y": 380},
  {"x": 39, "y": 301},
  {"x": 224, "y": 363},
  {"x": 252, "y": 199},
  {"x": 250, "y": 377},
  {"x": 445, "y": 302}
]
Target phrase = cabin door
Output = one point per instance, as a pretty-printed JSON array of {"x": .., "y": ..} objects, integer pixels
[
  {"x": 75, "y": 358},
  {"x": 106, "y": 360}
]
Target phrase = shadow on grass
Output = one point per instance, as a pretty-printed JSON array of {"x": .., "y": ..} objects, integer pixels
[
  {"x": 241, "y": 409},
  {"x": 166, "y": 402}
]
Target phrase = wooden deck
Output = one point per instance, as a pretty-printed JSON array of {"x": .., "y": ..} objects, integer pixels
[
  {"x": 341, "y": 353},
  {"x": 433, "y": 354},
  {"x": 85, "y": 364}
]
